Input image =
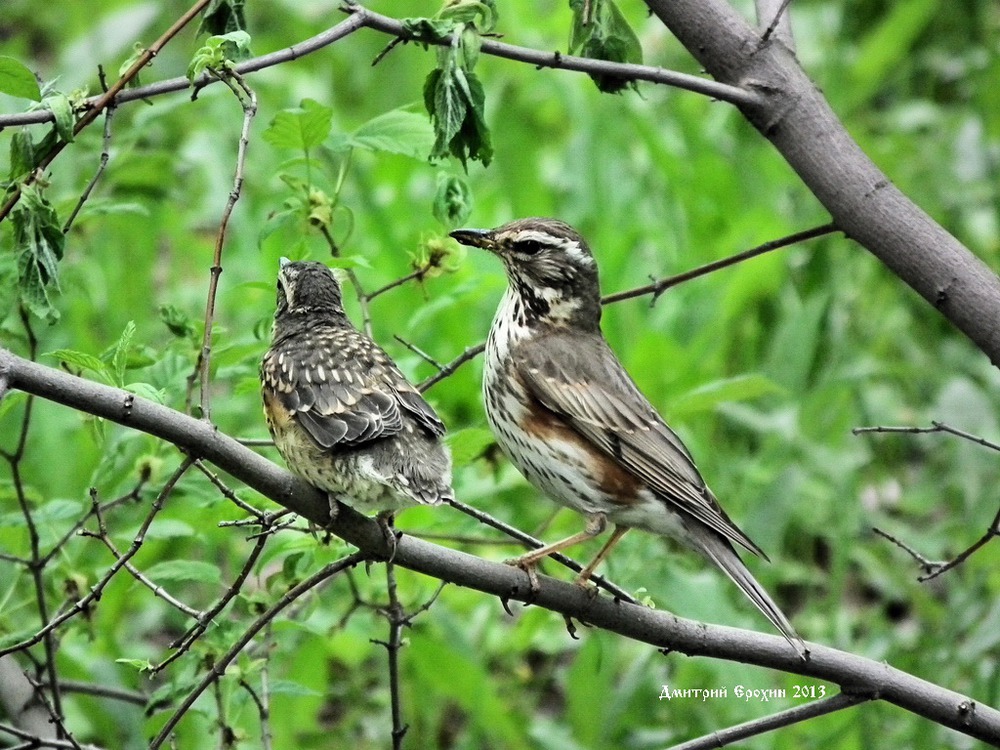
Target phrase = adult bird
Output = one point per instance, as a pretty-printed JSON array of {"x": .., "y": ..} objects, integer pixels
[
  {"x": 567, "y": 414},
  {"x": 341, "y": 413}
]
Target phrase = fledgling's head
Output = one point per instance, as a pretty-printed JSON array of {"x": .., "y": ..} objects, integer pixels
[
  {"x": 306, "y": 287},
  {"x": 549, "y": 267}
]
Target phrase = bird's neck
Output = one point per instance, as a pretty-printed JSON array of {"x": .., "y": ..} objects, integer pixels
[
  {"x": 524, "y": 315},
  {"x": 293, "y": 323}
]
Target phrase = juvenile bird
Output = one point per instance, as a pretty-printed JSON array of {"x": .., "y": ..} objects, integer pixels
[
  {"x": 567, "y": 414},
  {"x": 341, "y": 413}
]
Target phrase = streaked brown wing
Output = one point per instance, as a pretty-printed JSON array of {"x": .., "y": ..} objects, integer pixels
[
  {"x": 335, "y": 402},
  {"x": 581, "y": 379}
]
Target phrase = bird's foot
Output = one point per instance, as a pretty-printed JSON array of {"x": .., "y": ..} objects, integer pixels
[
  {"x": 530, "y": 567},
  {"x": 590, "y": 589},
  {"x": 385, "y": 523}
]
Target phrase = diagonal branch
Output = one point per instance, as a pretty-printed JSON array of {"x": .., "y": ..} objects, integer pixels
[
  {"x": 655, "y": 627},
  {"x": 781, "y": 719},
  {"x": 862, "y": 201}
]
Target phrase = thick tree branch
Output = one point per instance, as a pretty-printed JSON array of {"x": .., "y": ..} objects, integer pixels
[
  {"x": 656, "y": 627},
  {"x": 864, "y": 204}
]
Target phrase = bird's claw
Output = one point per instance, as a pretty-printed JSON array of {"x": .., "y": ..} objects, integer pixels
[{"x": 531, "y": 571}]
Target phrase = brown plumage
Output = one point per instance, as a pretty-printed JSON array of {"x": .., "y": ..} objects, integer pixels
[
  {"x": 566, "y": 412},
  {"x": 341, "y": 413}
]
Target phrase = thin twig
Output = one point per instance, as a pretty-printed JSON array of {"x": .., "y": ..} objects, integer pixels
[
  {"x": 774, "y": 23},
  {"x": 37, "y": 563},
  {"x": 157, "y": 590},
  {"x": 625, "y": 71},
  {"x": 781, "y": 719},
  {"x": 97, "y": 589},
  {"x": 181, "y": 83},
  {"x": 419, "y": 352},
  {"x": 248, "y": 101},
  {"x": 416, "y": 275},
  {"x": 935, "y": 568},
  {"x": 469, "y": 354},
  {"x": 183, "y": 644},
  {"x": 532, "y": 543},
  {"x": 231, "y": 496},
  {"x": 101, "y": 166},
  {"x": 104, "y": 100},
  {"x": 397, "y": 618},
  {"x": 658, "y": 287},
  {"x": 935, "y": 427},
  {"x": 218, "y": 669}
]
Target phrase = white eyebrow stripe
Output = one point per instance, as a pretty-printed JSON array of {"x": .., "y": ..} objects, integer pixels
[{"x": 570, "y": 247}]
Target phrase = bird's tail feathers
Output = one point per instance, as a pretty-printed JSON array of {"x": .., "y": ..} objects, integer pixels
[{"x": 721, "y": 552}]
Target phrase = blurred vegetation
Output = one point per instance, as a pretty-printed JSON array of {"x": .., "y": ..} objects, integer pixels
[{"x": 763, "y": 369}]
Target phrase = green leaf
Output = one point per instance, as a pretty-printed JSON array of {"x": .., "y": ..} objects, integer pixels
[
  {"x": 219, "y": 53},
  {"x": 469, "y": 444},
  {"x": 452, "y": 201},
  {"x": 39, "y": 243},
  {"x": 223, "y": 16},
  {"x": 481, "y": 15},
  {"x": 184, "y": 570},
  {"x": 456, "y": 101},
  {"x": 82, "y": 360},
  {"x": 301, "y": 128},
  {"x": 177, "y": 321},
  {"x": 428, "y": 30},
  {"x": 295, "y": 689},
  {"x": 710, "y": 395},
  {"x": 62, "y": 110},
  {"x": 22, "y": 155},
  {"x": 396, "y": 132},
  {"x": 605, "y": 35},
  {"x": 138, "y": 49},
  {"x": 17, "y": 80},
  {"x": 147, "y": 391},
  {"x": 140, "y": 665},
  {"x": 120, "y": 357}
]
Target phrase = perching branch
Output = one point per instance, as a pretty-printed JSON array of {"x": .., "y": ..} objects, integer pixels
[{"x": 655, "y": 627}]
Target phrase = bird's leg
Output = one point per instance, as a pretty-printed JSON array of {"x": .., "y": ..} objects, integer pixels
[
  {"x": 586, "y": 573},
  {"x": 596, "y": 523},
  {"x": 385, "y": 522}
]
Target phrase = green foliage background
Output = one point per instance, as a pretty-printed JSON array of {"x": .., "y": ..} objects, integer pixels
[{"x": 763, "y": 369}]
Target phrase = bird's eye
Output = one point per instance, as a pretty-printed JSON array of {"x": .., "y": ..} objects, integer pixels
[{"x": 529, "y": 247}]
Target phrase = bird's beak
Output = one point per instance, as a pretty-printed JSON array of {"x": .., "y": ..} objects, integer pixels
[
  {"x": 283, "y": 261},
  {"x": 482, "y": 238}
]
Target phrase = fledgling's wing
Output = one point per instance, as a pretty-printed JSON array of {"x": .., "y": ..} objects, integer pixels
[{"x": 342, "y": 388}]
